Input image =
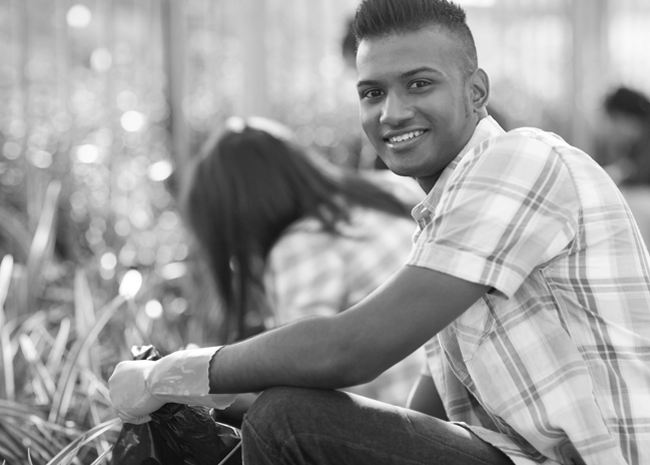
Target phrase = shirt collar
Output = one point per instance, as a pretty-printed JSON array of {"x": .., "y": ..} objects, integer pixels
[{"x": 486, "y": 128}]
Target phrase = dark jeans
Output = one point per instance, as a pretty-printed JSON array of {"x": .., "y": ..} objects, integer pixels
[{"x": 311, "y": 426}]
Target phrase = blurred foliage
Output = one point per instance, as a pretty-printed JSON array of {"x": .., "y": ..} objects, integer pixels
[
  {"x": 95, "y": 119},
  {"x": 89, "y": 177}
]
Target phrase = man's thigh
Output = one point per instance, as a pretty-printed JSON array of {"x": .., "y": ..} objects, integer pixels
[{"x": 312, "y": 426}]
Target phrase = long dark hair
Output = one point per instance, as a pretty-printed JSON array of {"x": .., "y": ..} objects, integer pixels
[{"x": 246, "y": 189}]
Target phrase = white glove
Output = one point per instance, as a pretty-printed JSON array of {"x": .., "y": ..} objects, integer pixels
[{"x": 138, "y": 388}]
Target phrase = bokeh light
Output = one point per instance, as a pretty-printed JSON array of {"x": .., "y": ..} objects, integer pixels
[
  {"x": 11, "y": 150},
  {"x": 132, "y": 121},
  {"x": 173, "y": 271},
  {"x": 40, "y": 158},
  {"x": 78, "y": 16},
  {"x": 101, "y": 60},
  {"x": 169, "y": 220},
  {"x": 153, "y": 309},
  {"x": 108, "y": 261},
  {"x": 87, "y": 153},
  {"x": 131, "y": 283},
  {"x": 160, "y": 170}
]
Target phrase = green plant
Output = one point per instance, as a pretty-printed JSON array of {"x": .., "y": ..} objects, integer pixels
[
  {"x": 54, "y": 404},
  {"x": 57, "y": 409},
  {"x": 60, "y": 338}
]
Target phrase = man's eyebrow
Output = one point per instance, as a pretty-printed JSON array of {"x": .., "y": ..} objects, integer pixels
[
  {"x": 421, "y": 69},
  {"x": 367, "y": 83},
  {"x": 406, "y": 74}
]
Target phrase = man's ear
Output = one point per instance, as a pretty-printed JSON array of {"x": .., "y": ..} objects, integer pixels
[{"x": 480, "y": 89}]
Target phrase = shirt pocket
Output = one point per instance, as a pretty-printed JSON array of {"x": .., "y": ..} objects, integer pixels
[{"x": 472, "y": 328}]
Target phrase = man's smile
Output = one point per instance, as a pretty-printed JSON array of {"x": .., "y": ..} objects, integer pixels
[{"x": 398, "y": 139}]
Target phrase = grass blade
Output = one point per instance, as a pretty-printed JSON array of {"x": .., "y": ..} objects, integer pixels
[
  {"x": 7, "y": 454},
  {"x": 67, "y": 380},
  {"x": 70, "y": 451},
  {"x": 31, "y": 440},
  {"x": 8, "y": 360},
  {"x": 102, "y": 456},
  {"x": 6, "y": 271},
  {"x": 58, "y": 348},
  {"x": 12, "y": 228},
  {"x": 230, "y": 454},
  {"x": 10, "y": 443},
  {"x": 43, "y": 383},
  {"x": 84, "y": 318},
  {"x": 42, "y": 245},
  {"x": 67, "y": 452}
]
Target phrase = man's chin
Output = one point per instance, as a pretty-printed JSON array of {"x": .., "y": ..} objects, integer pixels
[{"x": 401, "y": 170}]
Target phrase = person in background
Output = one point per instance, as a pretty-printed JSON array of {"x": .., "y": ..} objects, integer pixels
[
  {"x": 624, "y": 138},
  {"x": 528, "y": 285},
  {"x": 289, "y": 235}
]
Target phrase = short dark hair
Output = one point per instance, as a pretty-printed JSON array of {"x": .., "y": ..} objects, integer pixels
[
  {"x": 629, "y": 102},
  {"x": 380, "y": 18}
]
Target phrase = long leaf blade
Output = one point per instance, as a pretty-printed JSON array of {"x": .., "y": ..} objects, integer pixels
[
  {"x": 6, "y": 271},
  {"x": 68, "y": 453},
  {"x": 68, "y": 375}
]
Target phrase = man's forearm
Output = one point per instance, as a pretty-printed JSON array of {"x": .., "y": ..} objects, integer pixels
[
  {"x": 307, "y": 353},
  {"x": 352, "y": 347}
]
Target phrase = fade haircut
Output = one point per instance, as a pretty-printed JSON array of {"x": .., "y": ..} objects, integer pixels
[{"x": 381, "y": 18}]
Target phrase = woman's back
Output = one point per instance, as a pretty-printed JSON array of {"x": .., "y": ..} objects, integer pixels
[{"x": 313, "y": 273}]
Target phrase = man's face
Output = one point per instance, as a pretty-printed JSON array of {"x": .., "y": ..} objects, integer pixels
[{"x": 415, "y": 106}]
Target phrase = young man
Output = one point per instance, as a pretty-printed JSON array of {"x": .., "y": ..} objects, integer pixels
[{"x": 528, "y": 283}]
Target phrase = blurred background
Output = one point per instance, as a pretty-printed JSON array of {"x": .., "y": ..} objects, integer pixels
[{"x": 104, "y": 102}]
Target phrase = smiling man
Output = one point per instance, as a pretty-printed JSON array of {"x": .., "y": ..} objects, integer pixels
[
  {"x": 528, "y": 284},
  {"x": 420, "y": 104}
]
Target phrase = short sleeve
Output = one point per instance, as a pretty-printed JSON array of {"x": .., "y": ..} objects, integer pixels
[
  {"x": 305, "y": 276},
  {"x": 509, "y": 206}
]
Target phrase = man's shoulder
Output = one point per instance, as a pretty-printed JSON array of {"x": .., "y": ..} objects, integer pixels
[
  {"x": 527, "y": 142},
  {"x": 522, "y": 154},
  {"x": 524, "y": 141},
  {"x": 533, "y": 133}
]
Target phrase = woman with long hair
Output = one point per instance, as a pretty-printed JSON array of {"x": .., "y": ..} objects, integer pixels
[{"x": 288, "y": 234}]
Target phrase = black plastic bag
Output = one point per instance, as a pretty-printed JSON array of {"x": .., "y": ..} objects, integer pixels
[{"x": 177, "y": 435}]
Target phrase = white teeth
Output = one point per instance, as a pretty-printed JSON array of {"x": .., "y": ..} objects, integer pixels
[{"x": 403, "y": 137}]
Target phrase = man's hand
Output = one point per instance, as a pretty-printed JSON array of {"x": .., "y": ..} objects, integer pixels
[
  {"x": 129, "y": 392},
  {"x": 139, "y": 388}
]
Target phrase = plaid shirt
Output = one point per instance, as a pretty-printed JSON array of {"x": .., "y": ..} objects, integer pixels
[
  {"x": 312, "y": 272},
  {"x": 552, "y": 365}
]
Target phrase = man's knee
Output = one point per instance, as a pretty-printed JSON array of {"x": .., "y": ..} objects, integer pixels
[
  {"x": 270, "y": 404},
  {"x": 283, "y": 411},
  {"x": 273, "y": 420},
  {"x": 284, "y": 404}
]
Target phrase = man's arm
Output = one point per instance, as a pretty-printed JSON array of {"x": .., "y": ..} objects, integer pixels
[{"x": 352, "y": 347}]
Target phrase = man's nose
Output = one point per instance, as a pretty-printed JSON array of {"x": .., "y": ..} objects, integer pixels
[{"x": 395, "y": 110}]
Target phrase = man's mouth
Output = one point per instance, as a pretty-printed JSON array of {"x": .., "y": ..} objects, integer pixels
[{"x": 404, "y": 137}]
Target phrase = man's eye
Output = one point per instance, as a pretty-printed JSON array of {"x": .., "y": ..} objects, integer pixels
[
  {"x": 372, "y": 93},
  {"x": 419, "y": 84}
]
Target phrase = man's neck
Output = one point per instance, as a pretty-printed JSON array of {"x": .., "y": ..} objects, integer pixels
[{"x": 427, "y": 183}]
